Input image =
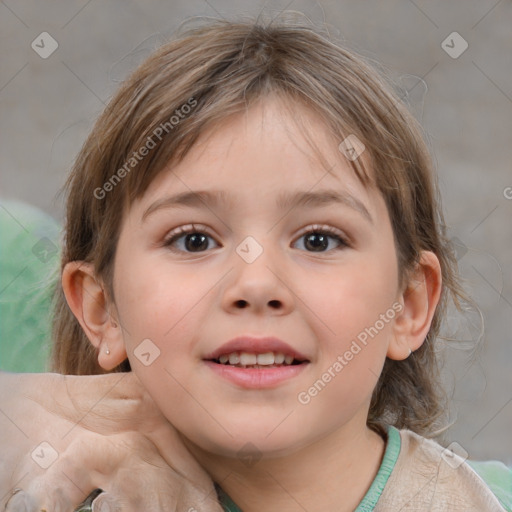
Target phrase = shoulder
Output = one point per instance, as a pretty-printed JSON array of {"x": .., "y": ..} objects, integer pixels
[
  {"x": 498, "y": 477},
  {"x": 428, "y": 476}
]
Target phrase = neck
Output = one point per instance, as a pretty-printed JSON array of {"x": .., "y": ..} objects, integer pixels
[{"x": 333, "y": 473}]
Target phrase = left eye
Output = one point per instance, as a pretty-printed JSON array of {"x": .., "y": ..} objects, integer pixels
[{"x": 317, "y": 239}]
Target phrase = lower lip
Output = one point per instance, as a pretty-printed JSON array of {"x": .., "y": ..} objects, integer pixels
[{"x": 256, "y": 378}]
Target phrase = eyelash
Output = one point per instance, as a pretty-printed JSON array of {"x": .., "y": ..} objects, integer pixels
[{"x": 192, "y": 229}]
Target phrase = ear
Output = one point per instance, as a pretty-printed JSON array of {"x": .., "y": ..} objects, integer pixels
[
  {"x": 419, "y": 299},
  {"x": 89, "y": 303}
]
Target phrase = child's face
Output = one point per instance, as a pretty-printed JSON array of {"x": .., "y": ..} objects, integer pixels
[{"x": 312, "y": 292}]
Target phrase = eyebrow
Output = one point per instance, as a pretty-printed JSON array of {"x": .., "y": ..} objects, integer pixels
[{"x": 285, "y": 201}]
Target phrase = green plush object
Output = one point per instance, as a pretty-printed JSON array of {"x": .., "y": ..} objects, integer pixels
[{"x": 29, "y": 270}]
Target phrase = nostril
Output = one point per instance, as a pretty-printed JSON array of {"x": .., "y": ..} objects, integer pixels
[{"x": 272, "y": 303}]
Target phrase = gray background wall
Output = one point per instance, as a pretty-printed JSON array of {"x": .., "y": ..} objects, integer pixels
[{"x": 465, "y": 104}]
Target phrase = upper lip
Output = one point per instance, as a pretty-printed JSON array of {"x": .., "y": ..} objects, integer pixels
[{"x": 254, "y": 345}]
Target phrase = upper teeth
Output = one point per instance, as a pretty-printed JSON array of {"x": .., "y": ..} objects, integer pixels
[{"x": 245, "y": 358}]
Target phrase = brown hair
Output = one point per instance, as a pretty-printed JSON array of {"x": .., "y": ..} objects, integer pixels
[{"x": 222, "y": 68}]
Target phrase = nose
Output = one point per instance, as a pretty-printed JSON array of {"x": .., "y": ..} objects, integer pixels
[{"x": 260, "y": 286}]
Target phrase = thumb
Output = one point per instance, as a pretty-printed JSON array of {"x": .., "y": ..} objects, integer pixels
[{"x": 103, "y": 403}]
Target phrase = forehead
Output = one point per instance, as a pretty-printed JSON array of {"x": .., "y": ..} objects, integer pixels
[{"x": 272, "y": 145}]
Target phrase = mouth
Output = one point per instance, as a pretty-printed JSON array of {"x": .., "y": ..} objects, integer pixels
[
  {"x": 252, "y": 352},
  {"x": 256, "y": 363},
  {"x": 264, "y": 360}
]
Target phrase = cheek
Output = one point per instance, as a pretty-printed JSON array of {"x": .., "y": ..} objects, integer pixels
[
  {"x": 357, "y": 319},
  {"x": 357, "y": 296},
  {"x": 166, "y": 308},
  {"x": 152, "y": 297}
]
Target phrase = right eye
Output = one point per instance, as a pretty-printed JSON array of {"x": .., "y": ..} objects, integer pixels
[{"x": 188, "y": 239}]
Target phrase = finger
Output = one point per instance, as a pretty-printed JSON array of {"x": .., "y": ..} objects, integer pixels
[
  {"x": 21, "y": 501},
  {"x": 52, "y": 496},
  {"x": 161, "y": 489},
  {"x": 175, "y": 453},
  {"x": 66, "y": 481},
  {"x": 88, "y": 502},
  {"x": 118, "y": 386},
  {"x": 98, "y": 501},
  {"x": 196, "y": 499},
  {"x": 89, "y": 401},
  {"x": 106, "y": 502}
]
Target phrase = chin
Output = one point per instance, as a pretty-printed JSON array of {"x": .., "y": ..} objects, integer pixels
[{"x": 251, "y": 442}]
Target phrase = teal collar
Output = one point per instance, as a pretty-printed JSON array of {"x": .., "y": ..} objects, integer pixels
[
  {"x": 391, "y": 453},
  {"x": 371, "y": 498}
]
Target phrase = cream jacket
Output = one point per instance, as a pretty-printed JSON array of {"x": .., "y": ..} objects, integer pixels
[{"x": 426, "y": 477}]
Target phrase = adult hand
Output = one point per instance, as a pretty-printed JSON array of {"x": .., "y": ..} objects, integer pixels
[{"x": 64, "y": 436}]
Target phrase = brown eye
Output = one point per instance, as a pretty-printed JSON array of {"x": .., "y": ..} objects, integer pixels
[
  {"x": 196, "y": 242},
  {"x": 319, "y": 240},
  {"x": 188, "y": 240}
]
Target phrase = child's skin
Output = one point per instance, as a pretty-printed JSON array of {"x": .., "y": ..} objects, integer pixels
[{"x": 319, "y": 456}]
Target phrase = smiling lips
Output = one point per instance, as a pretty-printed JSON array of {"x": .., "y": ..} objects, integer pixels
[
  {"x": 256, "y": 363},
  {"x": 247, "y": 351}
]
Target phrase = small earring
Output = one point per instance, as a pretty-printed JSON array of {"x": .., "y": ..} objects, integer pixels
[
  {"x": 410, "y": 352},
  {"x": 107, "y": 351}
]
